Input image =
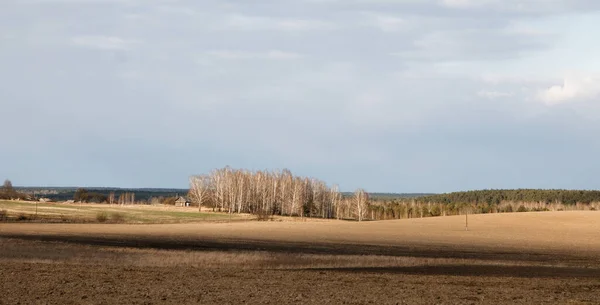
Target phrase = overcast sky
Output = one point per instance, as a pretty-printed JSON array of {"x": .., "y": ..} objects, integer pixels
[{"x": 389, "y": 95}]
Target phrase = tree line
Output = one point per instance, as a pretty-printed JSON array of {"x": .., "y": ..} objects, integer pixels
[
  {"x": 567, "y": 197},
  {"x": 9, "y": 192},
  {"x": 485, "y": 201},
  {"x": 276, "y": 192},
  {"x": 142, "y": 195},
  {"x": 83, "y": 195}
]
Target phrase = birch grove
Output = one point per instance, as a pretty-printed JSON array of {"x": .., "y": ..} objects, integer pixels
[{"x": 273, "y": 193}]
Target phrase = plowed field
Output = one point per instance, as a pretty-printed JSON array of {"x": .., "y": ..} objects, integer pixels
[{"x": 521, "y": 258}]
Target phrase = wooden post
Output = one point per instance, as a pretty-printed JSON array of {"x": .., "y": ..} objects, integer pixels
[{"x": 467, "y": 221}]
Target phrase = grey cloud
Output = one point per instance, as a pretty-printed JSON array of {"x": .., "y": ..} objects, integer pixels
[
  {"x": 145, "y": 93},
  {"x": 470, "y": 44},
  {"x": 103, "y": 42},
  {"x": 521, "y": 6}
]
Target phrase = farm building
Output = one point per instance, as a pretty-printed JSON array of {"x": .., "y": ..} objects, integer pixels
[{"x": 182, "y": 202}]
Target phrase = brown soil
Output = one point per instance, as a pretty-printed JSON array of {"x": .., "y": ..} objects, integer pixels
[
  {"x": 529, "y": 258},
  {"x": 66, "y": 284}
]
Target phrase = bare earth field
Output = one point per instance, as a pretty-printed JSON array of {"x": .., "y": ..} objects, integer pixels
[{"x": 521, "y": 258}]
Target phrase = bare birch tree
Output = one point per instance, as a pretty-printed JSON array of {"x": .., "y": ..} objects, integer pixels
[
  {"x": 361, "y": 204},
  {"x": 199, "y": 189}
]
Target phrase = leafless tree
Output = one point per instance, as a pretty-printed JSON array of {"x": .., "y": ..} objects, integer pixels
[
  {"x": 127, "y": 198},
  {"x": 267, "y": 193},
  {"x": 336, "y": 197},
  {"x": 199, "y": 190},
  {"x": 361, "y": 204},
  {"x": 8, "y": 190}
]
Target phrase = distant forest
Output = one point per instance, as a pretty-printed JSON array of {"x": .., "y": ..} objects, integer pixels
[
  {"x": 568, "y": 197},
  {"x": 485, "y": 201},
  {"x": 384, "y": 196},
  {"x": 100, "y": 194}
]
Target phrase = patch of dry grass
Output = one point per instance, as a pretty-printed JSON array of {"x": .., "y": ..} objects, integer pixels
[{"x": 86, "y": 213}]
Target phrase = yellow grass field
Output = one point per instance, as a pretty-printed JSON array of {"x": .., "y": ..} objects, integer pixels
[
  {"x": 542, "y": 231},
  {"x": 85, "y": 212},
  {"x": 519, "y": 258}
]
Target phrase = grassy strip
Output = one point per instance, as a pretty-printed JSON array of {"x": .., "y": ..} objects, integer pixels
[{"x": 60, "y": 212}]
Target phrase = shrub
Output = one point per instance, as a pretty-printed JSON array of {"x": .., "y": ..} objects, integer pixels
[
  {"x": 522, "y": 208},
  {"x": 22, "y": 217},
  {"x": 3, "y": 215},
  {"x": 263, "y": 215},
  {"x": 435, "y": 211},
  {"x": 484, "y": 209},
  {"x": 425, "y": 211},
  {"x": 117, "y": 217},
  {"x": 101, "y": 217},
  {"x": 170, "y": 201}
]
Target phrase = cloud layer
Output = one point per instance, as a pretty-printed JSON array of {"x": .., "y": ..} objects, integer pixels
[{"x": 396, "y": 96}]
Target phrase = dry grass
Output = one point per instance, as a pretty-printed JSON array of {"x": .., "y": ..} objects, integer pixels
[
  {"x": 85, "y": 213},
  {"x": 543, "y": 231}
]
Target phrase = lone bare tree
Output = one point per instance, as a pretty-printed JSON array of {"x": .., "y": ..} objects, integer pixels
[{"x": 7, "y": 189}]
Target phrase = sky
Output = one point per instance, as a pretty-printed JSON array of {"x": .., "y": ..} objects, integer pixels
[{"x": 387, "y": 95}]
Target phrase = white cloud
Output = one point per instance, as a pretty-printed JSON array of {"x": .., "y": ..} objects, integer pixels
[
  {"x": 468, "y": 4},
  {"x": 180, "y": 10},
  {"x": 242, "y": 55},
  {"x": 573, "y": 88},
  {"x": 511, "y": 79},
  {"x": 520, "y": 6},
  {"x": 493, "y": 94},
  {"x": 276, "y": 54},
  {"x": 387, "y": 23},
  {"x": 467, "y": 44},
  {"x": 103, "y": 42},
  {"x": 126, "y": 2},
  {"x": 302, "y": 25},
  {"x": 250, "y": 23},
  {"x": 461, "y": 3}
]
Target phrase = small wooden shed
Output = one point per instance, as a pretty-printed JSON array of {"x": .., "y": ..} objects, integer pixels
[{"x": 182, "y": 202}]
